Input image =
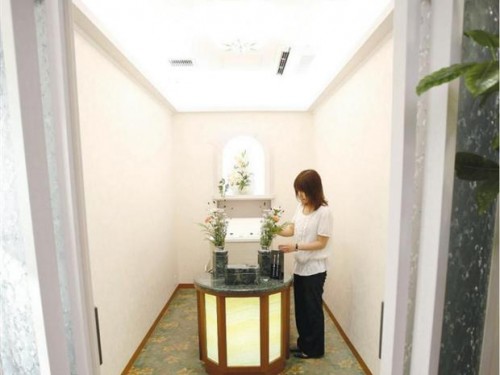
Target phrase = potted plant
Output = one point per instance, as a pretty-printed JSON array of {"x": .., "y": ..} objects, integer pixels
[
  {"x": 269, "y": 226},
  {"x": 268, "y": 230},
  {"x": 481, "y": 81},
  {"x": 215, "y": 228}
]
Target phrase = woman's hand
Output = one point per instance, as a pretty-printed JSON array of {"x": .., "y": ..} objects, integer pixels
[{"x": 287, "y": 248}]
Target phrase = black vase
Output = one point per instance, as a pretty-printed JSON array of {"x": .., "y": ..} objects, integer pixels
[
  {"x": 219, "y": 259},
  {"x": 264, "y": 259}
]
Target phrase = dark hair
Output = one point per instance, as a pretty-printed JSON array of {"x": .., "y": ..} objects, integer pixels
[{"x": 309, "y": 182}]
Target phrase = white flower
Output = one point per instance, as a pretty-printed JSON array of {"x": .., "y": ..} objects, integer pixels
[{"x": 240, "y": 176}]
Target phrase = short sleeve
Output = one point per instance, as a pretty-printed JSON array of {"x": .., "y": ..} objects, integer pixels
[
  {"x": 297, "y": 210},
  {"x": 325, "y": 224}
]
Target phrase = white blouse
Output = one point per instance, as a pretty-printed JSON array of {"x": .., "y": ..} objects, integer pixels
[{"x": 306, "y": 229}]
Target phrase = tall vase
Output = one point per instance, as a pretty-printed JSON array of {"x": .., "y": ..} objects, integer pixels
[
  {"x": 219, "y": 260},
  {"x": 264, "y": 259}
]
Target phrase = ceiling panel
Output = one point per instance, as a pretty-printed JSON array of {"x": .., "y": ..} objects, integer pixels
[{"x": 237, "y": 55}]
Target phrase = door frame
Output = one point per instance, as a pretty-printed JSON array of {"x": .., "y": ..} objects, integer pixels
[
  {"x": 435, "y": 208},
  {"x": 57, "y": 354},
  {"x": 420, "y": 224}
]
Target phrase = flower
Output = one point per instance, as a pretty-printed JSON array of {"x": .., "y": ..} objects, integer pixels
[
  {"x": 270, "y": 227},
  {"x": 215, "y": 227},
  {"x": 240, "y": 176}
]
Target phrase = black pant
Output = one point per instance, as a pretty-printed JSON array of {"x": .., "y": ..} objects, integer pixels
[{"x": 309, "y": 317}]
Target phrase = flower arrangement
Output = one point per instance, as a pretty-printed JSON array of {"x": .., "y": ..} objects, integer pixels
[
  {"x": 240, "y": 176},
  {"x": 215, "y": 227},
  {"x": 222, "y": 187},
  {"x": 270, "y": 227}
]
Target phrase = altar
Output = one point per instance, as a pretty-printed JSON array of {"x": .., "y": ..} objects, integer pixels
[{"x": 243, "y": 329}]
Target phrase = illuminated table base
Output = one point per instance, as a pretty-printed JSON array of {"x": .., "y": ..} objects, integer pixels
[{"x": 244, "y": 332}]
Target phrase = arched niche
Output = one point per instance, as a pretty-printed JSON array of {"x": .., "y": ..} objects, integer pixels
[{"x": 257, "y": 161}]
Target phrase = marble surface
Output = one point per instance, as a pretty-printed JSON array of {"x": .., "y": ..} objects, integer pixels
[
  {"x": 220, "y": 263},
  {"x": 264, "y": 260},
  {"x": 471, "y": 235},
  {"x": 207, "y": 282},
  {"x": 241, "y": 274}
]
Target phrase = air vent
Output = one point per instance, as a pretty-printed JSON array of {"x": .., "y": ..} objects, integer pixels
[
  {"x": 181, "y": 63},
  {"x": 282, "y": 63}
]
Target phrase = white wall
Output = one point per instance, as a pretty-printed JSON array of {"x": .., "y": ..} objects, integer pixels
[
  {"x": 198, "y": 140},
  {"x": 352, "y": 143},
  {"x": 127, "y": 162}
]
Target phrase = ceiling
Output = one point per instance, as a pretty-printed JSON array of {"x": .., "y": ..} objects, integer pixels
[{"x": 237, "y": 55}]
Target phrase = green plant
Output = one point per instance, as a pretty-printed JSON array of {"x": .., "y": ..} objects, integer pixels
[
  {"x": 222, "y": 186},
  {"x": 481, "y": 81},
  {"x": 270, "y": 227},
  {"x": 215, "y": 227},
  {"x": 240, "y": 176}
]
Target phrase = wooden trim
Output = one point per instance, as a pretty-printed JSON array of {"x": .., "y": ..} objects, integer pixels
[
  {"x": 274, "y": 368},
  {"x": 285, "y": 323},
  {"x": 348, "y": 342},
  {"x": 221, "y": 331},
  {"x": 202, "y": 325},
  {"x": 150, "y": 331},
  {"x": 185, "y": 286},
  {"x": 264, "y": 331}
]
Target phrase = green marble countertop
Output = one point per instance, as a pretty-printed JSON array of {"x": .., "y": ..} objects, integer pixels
[{"x": 208, "y": 283}]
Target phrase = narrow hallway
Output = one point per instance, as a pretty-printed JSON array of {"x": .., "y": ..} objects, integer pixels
[{"x": 172, "y": 348}]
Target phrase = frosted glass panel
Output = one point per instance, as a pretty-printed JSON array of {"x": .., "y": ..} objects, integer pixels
[
  {"x": 243, "y": 331},
  {"x": 274, "y": 326},
  {"x": 211, "y": 328},
  {"x": 18, "y": 349}
]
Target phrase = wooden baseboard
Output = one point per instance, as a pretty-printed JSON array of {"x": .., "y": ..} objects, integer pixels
[
  {"x": 185, "y": 286},
  {"x": 348, "y": 342},
  {"x": 151, "y": 330}
]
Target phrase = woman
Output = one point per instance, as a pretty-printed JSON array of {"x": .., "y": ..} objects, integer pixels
[{"x": 311, "y": 227}]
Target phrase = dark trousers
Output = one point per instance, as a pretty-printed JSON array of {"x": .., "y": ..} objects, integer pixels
[{"x": 309, "y": 317}]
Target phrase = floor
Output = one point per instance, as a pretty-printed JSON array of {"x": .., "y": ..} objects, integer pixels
[{"x": 173, "y": 346}]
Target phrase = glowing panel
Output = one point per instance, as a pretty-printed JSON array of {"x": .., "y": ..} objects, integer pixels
[
  {"x": 243, "y": 331},
  {"x": 211, "y": 328},
  {"x": 274, "y": 326}
]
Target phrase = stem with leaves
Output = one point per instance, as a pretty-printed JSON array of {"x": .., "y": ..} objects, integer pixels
[{"x": 481, "y": 81}]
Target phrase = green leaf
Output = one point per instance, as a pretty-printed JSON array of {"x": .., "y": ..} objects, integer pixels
[
  {"x": 486, "y": 95},
  {"x": 486, "y": 194},
  {"x": 443, "y": 75},
  {"x": 482, "y": 77},
  {"x": 485, "y": 39},
  {"x": 472, "y": 167},
  {"x": 494, "y": 143}
]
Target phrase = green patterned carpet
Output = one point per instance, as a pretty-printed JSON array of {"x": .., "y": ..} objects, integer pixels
[{"x": 173, "y": 346}]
